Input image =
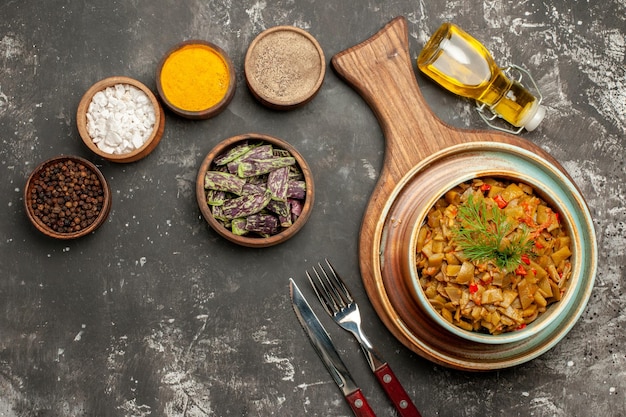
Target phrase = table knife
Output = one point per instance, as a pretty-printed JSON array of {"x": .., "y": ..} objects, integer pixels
[{"x": 327, "y": 352}]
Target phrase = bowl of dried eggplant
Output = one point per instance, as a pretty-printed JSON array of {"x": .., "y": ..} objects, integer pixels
[{"x": 255, "y": 190}]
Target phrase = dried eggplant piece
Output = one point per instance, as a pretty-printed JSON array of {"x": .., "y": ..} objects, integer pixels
[
  {"x": 260, "y": 152},
  {"x": 223, "y": 181},
  {"x": 296, "y": 208},
  {"x": 258, "y": 167},
  {"x": 232, "y": 154},
  {"x": 245, "y": 205},
  {"x": 232, "y": 167},
  {"x": 296, "y": 189},
  {"x": 251, "y": 188},
  {"x": 260, "y": 180},
  {"x": 218, "y": 213},
  {"x": 238, "y": 226},
  {"x": 281, "y": 152},
  {"x": 215, "y": 197},
  {"x": 264, "y": 224},
  {"x": 282, "y": 209},
  {"x": 278, "y": 183}
]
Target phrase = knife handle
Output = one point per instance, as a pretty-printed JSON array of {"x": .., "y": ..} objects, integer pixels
[
  {"x": 359, "y": 405},
  {"x": 401, "y": 401}
]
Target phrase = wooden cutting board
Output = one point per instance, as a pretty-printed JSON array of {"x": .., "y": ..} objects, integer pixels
[{"x": 381, "y": 70}]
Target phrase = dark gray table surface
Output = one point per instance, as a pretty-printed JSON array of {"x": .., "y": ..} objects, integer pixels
[{"x": 156, "y": 315}]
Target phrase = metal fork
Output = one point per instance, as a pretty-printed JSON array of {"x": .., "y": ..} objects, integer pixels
[{"x": 340, "y": 305}]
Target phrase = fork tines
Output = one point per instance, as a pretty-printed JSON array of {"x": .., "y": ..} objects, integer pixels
[{"x": 330, "y": 289}]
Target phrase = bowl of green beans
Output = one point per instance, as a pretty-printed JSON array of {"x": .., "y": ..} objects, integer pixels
[{"x": 255, "y": 190}]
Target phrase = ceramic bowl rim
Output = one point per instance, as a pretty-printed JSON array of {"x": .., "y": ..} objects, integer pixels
[{"x": 557, "y": 312}]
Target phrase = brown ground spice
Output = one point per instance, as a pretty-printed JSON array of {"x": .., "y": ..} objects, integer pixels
[{"x": 285, "y": 67}]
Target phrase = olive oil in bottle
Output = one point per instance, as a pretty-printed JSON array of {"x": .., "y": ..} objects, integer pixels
[{"x": 461, "y": 64}]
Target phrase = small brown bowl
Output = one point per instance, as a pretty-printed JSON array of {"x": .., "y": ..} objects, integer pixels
[
  {"x": 255, "y": 240},
  {"x": 138, "y": 153},
  {"x": 45, "y": 199},
  {"x": 179, "y": 79},
  {"x": 284, "y": 67}
]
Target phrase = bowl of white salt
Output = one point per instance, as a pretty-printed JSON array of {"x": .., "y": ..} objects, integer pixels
[{"x": 120, "y": 119}]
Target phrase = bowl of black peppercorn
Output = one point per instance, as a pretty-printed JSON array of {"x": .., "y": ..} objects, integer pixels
[{"x": 67, "y": 197}]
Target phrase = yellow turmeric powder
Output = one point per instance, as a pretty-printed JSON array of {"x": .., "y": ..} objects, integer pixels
[{"x": 195, "y": 77}]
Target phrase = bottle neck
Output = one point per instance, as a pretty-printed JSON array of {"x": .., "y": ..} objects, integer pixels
[
  {"x": 509, "y": 99},
  {"x": 496, "y": 89}
]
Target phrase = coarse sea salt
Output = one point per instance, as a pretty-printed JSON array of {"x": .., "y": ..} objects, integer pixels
[{"x": 120, "y": 119}]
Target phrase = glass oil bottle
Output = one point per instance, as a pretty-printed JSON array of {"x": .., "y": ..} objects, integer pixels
[{"x": 462, "y": 65}]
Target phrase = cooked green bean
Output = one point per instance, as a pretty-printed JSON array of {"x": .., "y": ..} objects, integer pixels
[{"x": 492, "y": 256}]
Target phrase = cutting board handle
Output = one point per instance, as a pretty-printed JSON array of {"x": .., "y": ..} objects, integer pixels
[{"x": 380, "y": 69}]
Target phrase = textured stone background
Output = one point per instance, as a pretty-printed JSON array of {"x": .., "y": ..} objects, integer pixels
[{"x": 156, "y": 315}]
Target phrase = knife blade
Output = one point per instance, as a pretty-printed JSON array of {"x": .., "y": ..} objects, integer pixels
[{"x": 325, "y": 349}]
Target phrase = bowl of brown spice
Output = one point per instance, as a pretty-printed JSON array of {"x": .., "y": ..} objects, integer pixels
[
  {"x": 67, "y": 197},
  {"x": 255, "y": 190},
  {"x": 284, "y": 67}
]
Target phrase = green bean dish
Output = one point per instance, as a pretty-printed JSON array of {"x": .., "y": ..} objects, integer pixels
[{"x": 492, "y": 256}]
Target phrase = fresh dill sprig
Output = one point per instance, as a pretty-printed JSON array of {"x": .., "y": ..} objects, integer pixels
[{"x": 483, "y": 234}]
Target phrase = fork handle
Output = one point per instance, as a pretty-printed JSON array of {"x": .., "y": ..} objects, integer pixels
[
  {"x": 396, "y": 393},
  {"x": 359, "y": 405}
]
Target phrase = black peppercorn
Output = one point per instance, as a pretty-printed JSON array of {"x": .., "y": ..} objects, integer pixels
[{"x": 66, "y": 196}]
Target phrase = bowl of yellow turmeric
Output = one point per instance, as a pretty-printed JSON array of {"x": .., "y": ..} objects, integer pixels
[{"x": 196, "y": 79}]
